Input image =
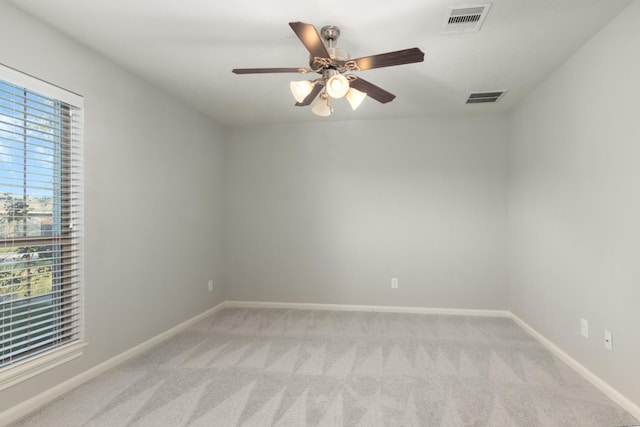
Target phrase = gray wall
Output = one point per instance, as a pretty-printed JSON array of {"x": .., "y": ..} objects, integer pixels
[
  {"x": 329, "y": 212},
  {"x": 153, "y": 183},
  {"x": 575, "y": 204}
]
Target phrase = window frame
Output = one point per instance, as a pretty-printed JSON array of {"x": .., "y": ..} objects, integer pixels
[{"x": 31, "y": 366}]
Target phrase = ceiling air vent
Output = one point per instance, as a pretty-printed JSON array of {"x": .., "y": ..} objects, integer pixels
[
  {"x": 484, "y": 97},
  {"x": 466, "y": 19}
]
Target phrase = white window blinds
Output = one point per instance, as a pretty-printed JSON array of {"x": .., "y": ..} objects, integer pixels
[{"x": 40, "y": 218}]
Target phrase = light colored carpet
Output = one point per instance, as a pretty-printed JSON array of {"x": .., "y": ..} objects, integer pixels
[{"x": 264, "y": 367}]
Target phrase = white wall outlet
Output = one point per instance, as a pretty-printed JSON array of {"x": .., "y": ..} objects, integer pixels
[
  {"x": 394, "y": 283},
  {"x": 608, "y": 340},
  {"x": 584, "y": 328},
  {"x": 210, "y": 285}
]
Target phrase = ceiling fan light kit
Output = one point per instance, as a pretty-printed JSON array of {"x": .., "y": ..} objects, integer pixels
[
  {"x": 301, "y": 89},
  {"x": 337, "y": 86},
  {"x": 332, "y": 63},
  {"x": 322, "y": 107},
  {"x": 355, "y": 98}
]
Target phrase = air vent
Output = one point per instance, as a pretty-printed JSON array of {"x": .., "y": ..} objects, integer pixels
[
  {"x": 467, "y": 19},
  {"x": 484, "y": 97}
]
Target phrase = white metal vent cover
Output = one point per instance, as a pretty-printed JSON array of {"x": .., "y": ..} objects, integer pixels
[
  {"x": 465, "y": 19},
  {"x": 484, "y": 97}
]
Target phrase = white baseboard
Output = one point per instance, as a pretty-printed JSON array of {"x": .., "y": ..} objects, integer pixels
[
  {"x": 377, "y": 308},
  {"x": 600, "y": 384},
  {"x": 28, "y": 406},
  {"x": 34, "y": 403}
]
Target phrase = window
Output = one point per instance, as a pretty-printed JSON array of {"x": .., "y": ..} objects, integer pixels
[{"x": 40, "y": 226}]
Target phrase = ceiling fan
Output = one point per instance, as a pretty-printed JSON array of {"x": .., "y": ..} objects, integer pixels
[{"x": 332, "y": 63}]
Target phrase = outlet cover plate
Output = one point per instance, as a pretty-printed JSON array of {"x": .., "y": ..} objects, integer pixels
[{"x": 584, "y": 328}]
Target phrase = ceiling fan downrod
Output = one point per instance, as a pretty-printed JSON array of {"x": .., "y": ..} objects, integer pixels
[
  {"x": 337, "y": 56},
  {"x": 330, "y": 34}
]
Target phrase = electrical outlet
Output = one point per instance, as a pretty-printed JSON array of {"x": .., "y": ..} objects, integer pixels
[
  {"x": 608, "y": 340},
  {"x": 584, "y": 328},
  {"x": 210, "y": 285},
  {"x": 394, "y": 283}
]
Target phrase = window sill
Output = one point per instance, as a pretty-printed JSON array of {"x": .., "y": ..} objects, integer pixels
[{"x": 14, "y": 374}]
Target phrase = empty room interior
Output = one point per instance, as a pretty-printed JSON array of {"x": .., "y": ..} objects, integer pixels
[{"x": 453, "y": 241}]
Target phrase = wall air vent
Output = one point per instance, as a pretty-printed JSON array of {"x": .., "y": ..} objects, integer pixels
[
  {"x": 484, "y": 97},
  {"x": 466, "y": 19}
]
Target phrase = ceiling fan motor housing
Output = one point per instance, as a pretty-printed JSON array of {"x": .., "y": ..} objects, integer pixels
[
  {"x": 330, "y": 34},
  {"x": 338, "y": 57}
]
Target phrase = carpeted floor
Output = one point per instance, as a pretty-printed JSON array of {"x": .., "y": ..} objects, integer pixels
[{"x": 264, "y": 367}]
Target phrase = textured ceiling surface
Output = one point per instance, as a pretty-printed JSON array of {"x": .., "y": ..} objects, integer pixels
[{"x": 189, "y": 47}]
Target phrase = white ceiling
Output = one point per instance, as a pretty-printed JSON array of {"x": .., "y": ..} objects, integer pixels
[{"x": 188, "y": 47}]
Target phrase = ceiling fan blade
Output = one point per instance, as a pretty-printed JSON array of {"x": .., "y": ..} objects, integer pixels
[
  {"x": 269, "y": 70},
  {"x": 398, "y": 57},
  {"x": 310, "y": 38},
  {"x": 372, "y": 90},
  {"x": 309, "y": 99}
]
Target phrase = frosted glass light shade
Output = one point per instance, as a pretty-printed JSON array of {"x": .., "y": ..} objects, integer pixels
[
  {"x": 321, "y": 106},
  {"x": 337, "y": 86},
  {"x": 301, "y": 89},
  {"x": 355, "y": 98}
]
